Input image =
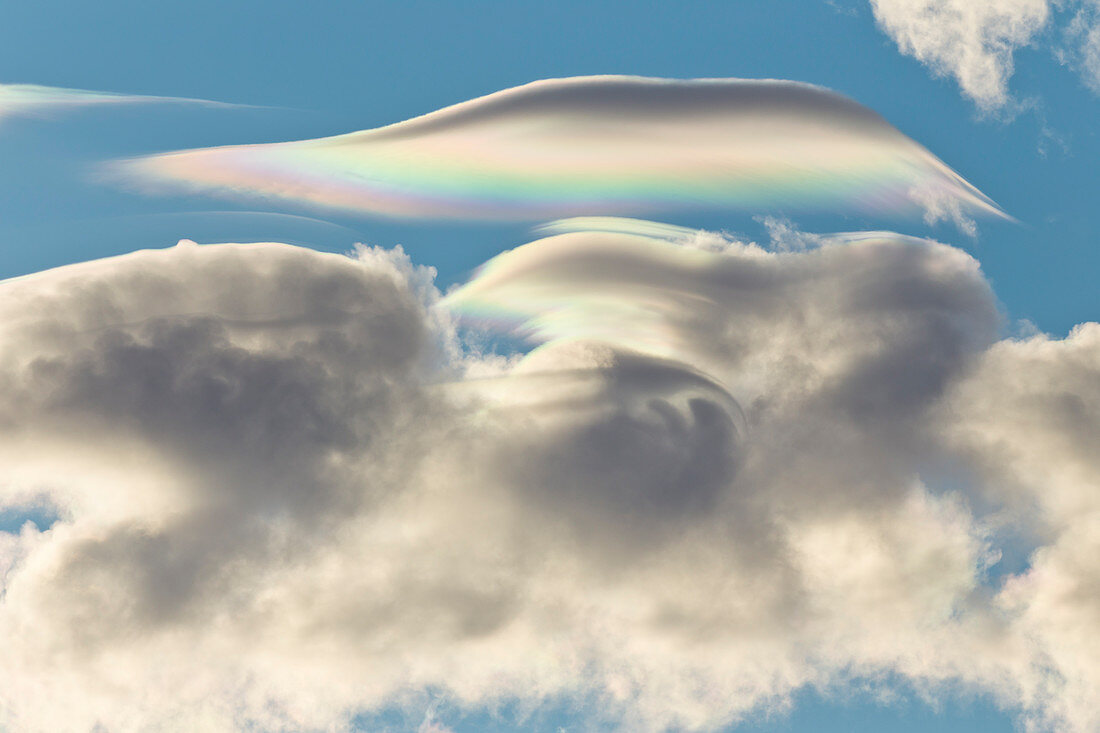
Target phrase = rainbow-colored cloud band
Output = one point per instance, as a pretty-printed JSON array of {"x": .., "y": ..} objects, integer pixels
[{"x": 607, "y": 145}]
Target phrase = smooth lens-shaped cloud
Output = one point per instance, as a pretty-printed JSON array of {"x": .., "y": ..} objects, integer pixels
[
  {"x": 599, "y": 145},
  {"x": 713, "y": 303}
]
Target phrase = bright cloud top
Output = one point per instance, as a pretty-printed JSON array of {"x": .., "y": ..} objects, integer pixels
[
  {"x": 598, "y": 145},
  {"x": 287, "y": 495}
]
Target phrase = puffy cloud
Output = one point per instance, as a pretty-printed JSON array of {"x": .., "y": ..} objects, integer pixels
[
  {"x": 1028, "y": 416},
  {"x": 286, "y": 493},
  {"x": 1082, "y": 38},
  {"x": 195, "y": 415},
  {"x": 597, "y": 145},
  {"x": 873, "y": 319},
  {"x": 971, "y": 40}
]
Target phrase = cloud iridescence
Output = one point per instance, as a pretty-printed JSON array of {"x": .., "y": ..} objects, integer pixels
[{"x": 597, "y": 145}]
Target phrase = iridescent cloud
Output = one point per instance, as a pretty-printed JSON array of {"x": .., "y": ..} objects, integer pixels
[
  {"x": 599, "y": 145},
  {"x": 688, "y": 295}
]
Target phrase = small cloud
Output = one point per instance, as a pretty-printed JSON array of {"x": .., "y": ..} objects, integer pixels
[
  {"x": 844, "y": 7},
  {"x": 37, "y": 100},
  {"x": 972, "y": 41},
  {"x": 975, "y": 41},
  {"x": 786, "y": 237}
]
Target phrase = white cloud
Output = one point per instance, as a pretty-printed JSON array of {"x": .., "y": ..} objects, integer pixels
[
  {"x": 37, "y": 100},
  {"x": 975, "y": 41},
  {"x": 286, "y": 495},
  {"x": 594, "y": 146},
  {"x": 970, "y": 40},
  {"x": 1082, "y": 39},
  {"x": 1029, "y": 415}
]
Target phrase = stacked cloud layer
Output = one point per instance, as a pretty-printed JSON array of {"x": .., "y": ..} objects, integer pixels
[
  {"x": 287, "y": 496},
  {"x": 688, "y": 295},
  {"x": 599, "y": 145}
]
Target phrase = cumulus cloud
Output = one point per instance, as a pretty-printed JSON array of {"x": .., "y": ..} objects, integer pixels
[
  {"x": 972, "y": 41},
  {"x": 287, "y": 493},
  {"x": 1028, "y": 416},
  {"x": 975, "y": 41},
  {"x": 596, "y": 145}
]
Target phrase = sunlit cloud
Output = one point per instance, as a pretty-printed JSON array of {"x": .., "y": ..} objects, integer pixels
[
  {"x": 284, "y": 492},
  {"x": 597, "y": 145},
  {"x": 628, "y": 475},
  {"x": 975, "y": 41}
]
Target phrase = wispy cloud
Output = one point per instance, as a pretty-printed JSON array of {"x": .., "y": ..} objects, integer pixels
[
  {"x": 1081, "y": 49},
  {"x": 598, "y": 145},
  {"x": 971, "y": 40},
  {"x": 37, "y": 100},
  {"x": 975, "y": 41}
]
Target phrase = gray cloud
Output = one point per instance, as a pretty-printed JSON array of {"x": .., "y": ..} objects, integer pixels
[
  {"x": 971, "y": 41},
  {"x": 1081, "y": 36},
  {"x": 286, "y": 494}
]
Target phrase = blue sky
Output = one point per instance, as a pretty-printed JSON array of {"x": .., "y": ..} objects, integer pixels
[{"x": 309, "y": 70}]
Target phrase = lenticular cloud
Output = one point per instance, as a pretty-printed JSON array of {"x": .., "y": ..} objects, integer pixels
[{"x": 599, "y": 145}]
